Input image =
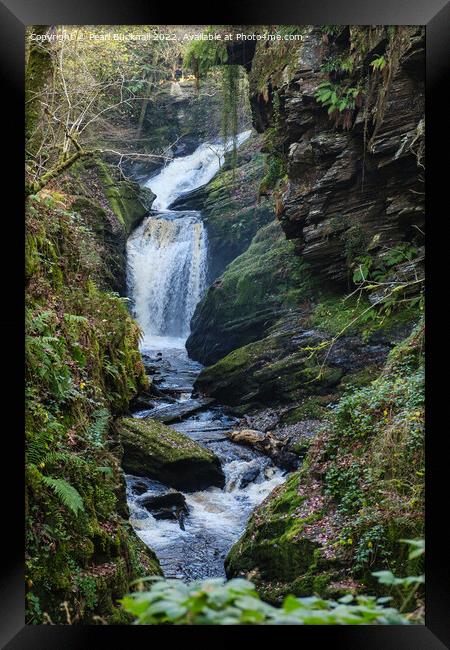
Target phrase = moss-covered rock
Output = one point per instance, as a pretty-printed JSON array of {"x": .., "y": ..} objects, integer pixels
[
  {"x": 342, "y": 516},
  {"x": 82, "y": 367},
  {"x": 265, "y": 281},
  {"x": 111, "y": 208},
  {"x": 159, "y": 452},
  {"x": 290, "y": 365},
  {"x": 272, "y": 550}
]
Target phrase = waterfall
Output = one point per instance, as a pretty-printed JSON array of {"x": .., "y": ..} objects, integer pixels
[
  {"x": 167, "y": 273},
  {"x": 167, "y": 253},
  {"x": 187, "y": 173}
]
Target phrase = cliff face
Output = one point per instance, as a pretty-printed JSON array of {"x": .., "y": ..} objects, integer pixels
[
  {"x": 344, "y": 140},
  {"x": 346, "y": 178},
  {"x": 353, "y": 183}
]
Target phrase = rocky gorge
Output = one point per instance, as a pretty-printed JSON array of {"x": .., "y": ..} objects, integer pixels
[{"x": 225, "y": 345}]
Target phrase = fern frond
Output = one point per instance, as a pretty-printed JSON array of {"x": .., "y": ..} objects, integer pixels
[
  {"x": 54, "y": 457},
  {"x": 100, "y": 421},
  {"x": 65, "y": 492}
]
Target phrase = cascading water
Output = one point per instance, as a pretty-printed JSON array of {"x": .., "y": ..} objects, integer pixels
[
  {"x": 167, "y": 270},
  {"x": 189, "y": 172},
  {"x": 167, "y": 253}
]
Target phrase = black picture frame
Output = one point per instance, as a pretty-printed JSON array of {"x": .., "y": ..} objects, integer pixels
[{"x": 15, "y": 15}]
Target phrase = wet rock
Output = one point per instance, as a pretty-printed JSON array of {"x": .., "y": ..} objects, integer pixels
[
  {"x": 249, "y": 476},
  {"x": 170, "y": 505},
  {"x": 288, "y": 461},
  {"x": 139, "y": 487},
  {"x": 181, "y": 410},
  {"x": 153, "y": 450}
]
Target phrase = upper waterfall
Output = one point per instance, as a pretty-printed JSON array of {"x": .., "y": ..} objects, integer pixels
[
  {"x": 187, "y": 173},
  {"x": 167, "y": 253}
]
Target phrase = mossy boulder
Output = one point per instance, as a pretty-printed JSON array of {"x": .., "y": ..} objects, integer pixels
[
  {"x": 111, "y": 208},
  {"x": 288, "y": 366},
  {"x": 259, "y": 285},
  {"x": 159, "y": 452},
  {"x": 272, "y": 550}
]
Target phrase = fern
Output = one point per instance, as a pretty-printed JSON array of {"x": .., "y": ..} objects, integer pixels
[
  {"x": 98, "y": 427},
  {"x": 65, "y": 492},
  {"x": 66, "y": 457}
]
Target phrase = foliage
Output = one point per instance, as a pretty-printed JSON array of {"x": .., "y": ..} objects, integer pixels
[
  {"x": 339, "y": 100},
  {"x": 367, "y": 267},
  {"x": 202, "y": 55},
  {"x": 331, "y": 30},
  {"x": 82, "y": 365},
  {"x": 67, "y": 494},
  {"x": 393, "y": 280},
  {"x": 231, "y": 76},
  {"x": 216, "y": 602},
  {"x": 378, "y": 63},
  {"x": 339, "y": 64}
]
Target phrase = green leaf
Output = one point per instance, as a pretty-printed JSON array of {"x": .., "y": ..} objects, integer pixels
[{"x": 66, "y": 493}]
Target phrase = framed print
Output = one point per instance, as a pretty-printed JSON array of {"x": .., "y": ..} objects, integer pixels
[{"x": 223, "y": 334}]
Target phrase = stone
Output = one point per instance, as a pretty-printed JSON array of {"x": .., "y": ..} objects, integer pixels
[{"x": 155, "y": 451}]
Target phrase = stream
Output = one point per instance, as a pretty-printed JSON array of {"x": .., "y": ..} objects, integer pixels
[{"x": 167, "y": 269}]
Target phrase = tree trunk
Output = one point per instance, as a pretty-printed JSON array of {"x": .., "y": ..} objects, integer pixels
[{"x": 37, "y": 75}]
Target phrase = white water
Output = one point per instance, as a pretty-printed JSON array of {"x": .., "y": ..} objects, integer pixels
[
  {"x": 167, "y": 275},
  {"x": 187, "y": 173},
  {"x": 215, "y": 522},
  {"x": 167, "y": 253}
]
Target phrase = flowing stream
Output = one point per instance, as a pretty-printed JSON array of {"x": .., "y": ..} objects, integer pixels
[{"x": 167, "y": 270}]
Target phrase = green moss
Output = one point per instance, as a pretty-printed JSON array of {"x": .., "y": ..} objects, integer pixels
[
  {"x": 265, "y": 281},
  {"x": 157, "y": 451},
  {"x": 82, "y": 365},
  {"x": 274, "y": 63},
  {"x": 272, "y": 540},
  {"x": 335, "y": 314},
  {"x": 312, "y": 408}
]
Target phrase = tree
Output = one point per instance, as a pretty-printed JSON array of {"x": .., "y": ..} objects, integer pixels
[{"x": 72, "y": 94}]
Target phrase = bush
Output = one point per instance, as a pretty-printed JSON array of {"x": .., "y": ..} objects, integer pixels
[{"x": 217, "y": 602}]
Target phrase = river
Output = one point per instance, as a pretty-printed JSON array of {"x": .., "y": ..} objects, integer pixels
[{"x": 167, "y": 271}]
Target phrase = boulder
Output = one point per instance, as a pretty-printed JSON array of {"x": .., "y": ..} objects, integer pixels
[
  {"x": 156, "y": 451},
  {"x": 249, "y": 476},
  {"x": 169, "y": 505}
]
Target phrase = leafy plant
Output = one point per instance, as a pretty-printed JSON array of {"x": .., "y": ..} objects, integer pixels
[
  {"x": 339, "y": 100},
  {"x": 338, "y": 64},
  {"x": 65, "y": 492},
  {"x": 96, "y": 431},
  {"x": 336, "y": 97},
  {"x": 379, "y": 63},
  {"x": 202, "y": 55},
  {"x": 408, "y": 586},
  {"x": 217, "y": 602}
]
